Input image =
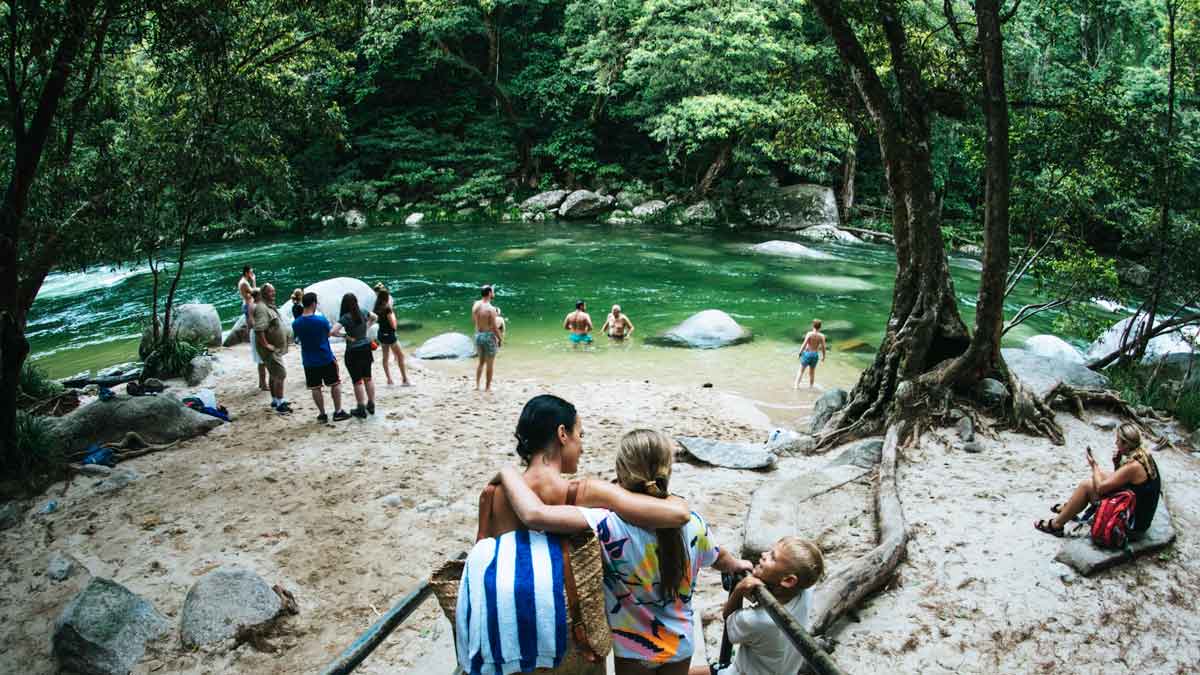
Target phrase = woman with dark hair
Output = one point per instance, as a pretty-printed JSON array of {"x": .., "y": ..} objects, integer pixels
[
  {"x": 352, "y": 325},
  {"x": 387, "y": 334},
  {"x": 649, "y": 569}
]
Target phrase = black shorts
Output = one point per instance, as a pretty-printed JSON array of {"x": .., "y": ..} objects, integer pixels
[
  {"x": 387, "y": 338},
  {"x": 358, "y": 363},
  {"x": 318, "y": 375}
]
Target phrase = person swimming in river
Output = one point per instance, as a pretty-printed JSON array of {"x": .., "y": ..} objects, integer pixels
[
  {"x": 617, "y": 326},
  {"x": 489, "y": 336},
  {"x": 580, "y": 324},
  {"x": 813, "y": 341}
]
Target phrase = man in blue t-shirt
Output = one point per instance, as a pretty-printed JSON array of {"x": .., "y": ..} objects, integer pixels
[{"x": 320, "y": 367}]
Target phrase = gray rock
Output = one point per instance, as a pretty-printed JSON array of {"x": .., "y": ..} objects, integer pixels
[
  {"x": 790, "y": 249},
  {"x": 414, "y": 219},
  {"x": 649, "y": 209},
  {"x": 700, "y": 212},
  {"x": 1180, "y": 365},
  {"x": 864, "y": 454},
  {"x": 805, "y": 205},
  {"x": 1174, "y": 342},
  {"x": 237, "y": 334},
  {"x": 828, "y": 233},
  {"x": 829, "y": 403},
  {"x": 1084, "y": 557},
  {"x": 200, "y": 370},
  {"x": 803, "y": 444},
  {"x": 965, "y": 428},
  {"x": 620, "y": 218},
  {"x": 709, "y": 329},
  {"x": 1133, "y": 274},
  {"x": 1053, "y": 347},
  {"x": 355, "y": 219},
  {"x": 446, "y": 346},
  {"x": 972, "y": 447},
  {"x": 224, "y": 600},
  {"x": 727, "y": 454},
  {"x": 158, "y": 419},
  {"x": 329, "y": 298},
  {"x": 118, "y": 480},
  {"x": 1105, "y": 423},
  {"x": 585, "y": 203},
  {"x": 777, "y": 507},
  {"x": 1041, "y": 374},
  {"x": 95, "y": 470},
  {"x": 194, "y": 323},
  {"x": 11, "y": 515},
  {"x": 991, "y": 392},
  {"x": 970, "y": 249},
  {"x": 394, "y": 501},
  {"x": 545, "y": 201},
  {"x": 61, "y": 566},
  {"x": 104, "y": 630}
]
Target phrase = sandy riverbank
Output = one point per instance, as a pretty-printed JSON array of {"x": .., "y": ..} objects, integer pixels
[{"x": 303, "y": 505}]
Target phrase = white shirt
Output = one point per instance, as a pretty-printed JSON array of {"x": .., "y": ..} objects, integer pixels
[{"x": 763, "y": 649}]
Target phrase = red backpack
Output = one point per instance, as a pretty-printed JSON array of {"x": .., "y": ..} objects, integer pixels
[{"x": 1113, "y": 520}]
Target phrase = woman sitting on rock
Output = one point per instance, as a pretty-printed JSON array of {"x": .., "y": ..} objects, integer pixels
[
  {"x": 649, "y": 574},
  {"x": 1134, "y": 469}
]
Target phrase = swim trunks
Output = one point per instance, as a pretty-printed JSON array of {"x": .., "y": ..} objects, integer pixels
[
  {"x": 485, "y": 342},
  {"x": 809, "y": 359},
  {"x": 578, "y": 338}
]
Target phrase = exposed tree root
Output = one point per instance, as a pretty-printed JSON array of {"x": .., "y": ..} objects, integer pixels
[
  {"x": 849, "y": 586},
  {"x": 1079, "y": 397},
  {"x": 1031, "y": 414}
]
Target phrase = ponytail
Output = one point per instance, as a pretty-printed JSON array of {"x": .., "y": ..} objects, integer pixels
[{"x": 644, "y": 466}]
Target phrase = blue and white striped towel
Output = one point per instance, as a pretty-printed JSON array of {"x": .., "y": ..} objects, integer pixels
[{"x": 512, "y": 614}]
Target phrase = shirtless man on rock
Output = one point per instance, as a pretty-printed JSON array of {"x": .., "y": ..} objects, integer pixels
[
  {"x": 488, "y": 335},
  {"x": 580, "y": 324}
]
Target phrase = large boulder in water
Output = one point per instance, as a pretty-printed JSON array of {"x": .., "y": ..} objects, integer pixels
[
  {"x": 545, "y": 201},
  {"x": 329, "y": 296},
  {"x": 239, "y": 333},
  {"x": 790, "y": 249},
  {"x": 1053, "y": 347},
  {"x": 224, "y": 600},
  {"x": 709, "y": 329},
  {"x": 446, "y": 346},
  {"x": 157, "y": 419},
  {"x": 649, "y": 209},
  {"x": 828, "y": 233},
  {"x": 1174, "y": 342},
  {"x": 805, "y": 205},
  {"x": 104, "y": 630},
  {"x": 1041, "y": 374},
  {"x": 585, "y": 203},
  {"x": 193, "y": 323}
]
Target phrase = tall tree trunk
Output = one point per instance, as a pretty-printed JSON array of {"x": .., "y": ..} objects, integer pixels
[
  {"x": 849, "y": 176},
  {"x": 715, "y": 169}
]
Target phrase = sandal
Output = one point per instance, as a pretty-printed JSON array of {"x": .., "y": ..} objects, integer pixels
[
  {"x": 1047, "y": 526},
  {"x": 1057, "y": 508}
]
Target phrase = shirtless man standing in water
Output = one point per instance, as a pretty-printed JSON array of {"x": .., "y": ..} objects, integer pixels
[
  {"x": 246, "y": 289},
  {"x": 617, "y": 325},
  {"x": 580, "y": 324},
  {"x": 813, "y": 341},
  {"x": 488, "y": 336}
]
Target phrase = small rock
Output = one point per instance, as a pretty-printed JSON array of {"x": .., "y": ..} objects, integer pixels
[
  {"x": 104, "y": 630},
  {"x": 829, "y": 403},
  {"x": 117, "y": 481},
  {"x": 991, "y": 392},
  {"x": 95, "y": 470},
  {"x": 972, "y": 447},
  {"x": 965, "y": 429},
  {"x": 61, "y": 566},
  {"x": 706, "y": 385},
  {"x": 201, "y": 367},
  {"x": 1105, "y": 423},
  {"x": 431, "y": 505},
  {"x": 414, "y": 219},
  {"x": 222, "y": 602},
  {"x": 392, "y": 500},
  {"x": 648, "y": 209},
  {"x": 10, "y": 515}
]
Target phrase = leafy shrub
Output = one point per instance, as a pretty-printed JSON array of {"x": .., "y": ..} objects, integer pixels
[
  {"x": 1131, "y": 382},
  {"x": 36, "y": 384},
  {"x": 39, "y": 455},
  {"x": 1187, "y": 407},
  {"x": 172, "y": 358}
]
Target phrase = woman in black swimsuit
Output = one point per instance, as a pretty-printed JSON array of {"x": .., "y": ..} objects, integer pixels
[
  {"x": 387, "y": 334},
  {"x": 1133, "y": 469}
]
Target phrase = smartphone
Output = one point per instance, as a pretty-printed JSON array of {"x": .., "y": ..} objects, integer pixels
[{"x": 1089, "y": 452}]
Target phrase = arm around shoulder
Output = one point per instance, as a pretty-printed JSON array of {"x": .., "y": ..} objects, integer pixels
[
  {"x": 641, "y": 510},
  {"x": 535, "y": 513}
]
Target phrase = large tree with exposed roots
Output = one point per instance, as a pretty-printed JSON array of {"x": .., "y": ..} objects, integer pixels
[{"x": 927, "y": 353}]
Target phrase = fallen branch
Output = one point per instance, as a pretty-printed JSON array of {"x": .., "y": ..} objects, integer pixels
[
  {"x": 848, "y": 587},
  {"x": 870, "y": 233},
  {"x": 129, "y": 447}
]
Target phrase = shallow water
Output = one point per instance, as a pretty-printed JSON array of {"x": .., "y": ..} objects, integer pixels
[{"x": 90, "y": 320}]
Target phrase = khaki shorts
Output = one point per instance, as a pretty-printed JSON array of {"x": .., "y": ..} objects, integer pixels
[{"x": 274, "y": 363}]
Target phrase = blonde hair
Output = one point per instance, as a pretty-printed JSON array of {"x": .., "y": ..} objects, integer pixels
[
  {"x": 803, "y": 558},
  {"x": 298, "y": 295},
  {"x": 644, "y": 466},
  {"x": 1128, "y": 437}
]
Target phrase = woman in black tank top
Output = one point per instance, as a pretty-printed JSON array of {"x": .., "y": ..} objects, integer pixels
[
  {"x": 1133, "y": 469},
  {"x": 387, "y": 334}
]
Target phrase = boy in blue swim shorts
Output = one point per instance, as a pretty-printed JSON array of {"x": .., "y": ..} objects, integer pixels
[
  {"x": 809, "y": 356},
  {"x": 580, "y": 324}
]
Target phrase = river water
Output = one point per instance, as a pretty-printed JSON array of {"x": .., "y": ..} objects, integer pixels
[{"x": 89, "y": 320}]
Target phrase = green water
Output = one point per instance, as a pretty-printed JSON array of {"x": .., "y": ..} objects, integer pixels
[{"x": 90, "y": 320}]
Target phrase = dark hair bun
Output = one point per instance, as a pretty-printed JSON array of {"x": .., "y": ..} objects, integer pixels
[{"x": 537, "y": 429}]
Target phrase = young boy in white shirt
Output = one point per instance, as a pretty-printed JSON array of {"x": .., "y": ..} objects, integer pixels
[{"x": 789, "y": 570}]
